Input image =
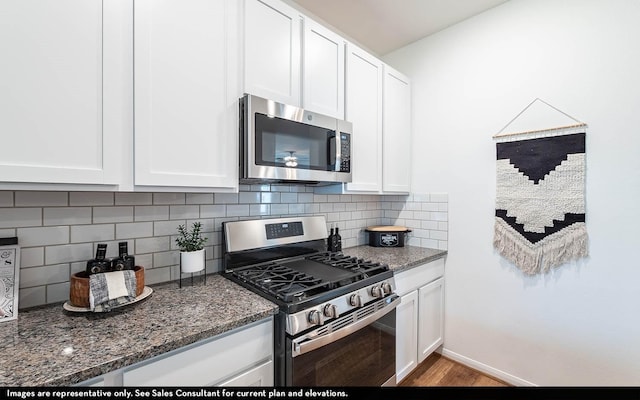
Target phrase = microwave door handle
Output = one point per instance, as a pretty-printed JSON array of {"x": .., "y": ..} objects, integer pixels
[{"x": 331, "y": 150}]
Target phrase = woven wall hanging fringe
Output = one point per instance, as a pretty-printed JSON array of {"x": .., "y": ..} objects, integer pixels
[{"x": 540, "y": 196}]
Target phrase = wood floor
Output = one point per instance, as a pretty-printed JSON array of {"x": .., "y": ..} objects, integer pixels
[{"x": 437, "y": 370}]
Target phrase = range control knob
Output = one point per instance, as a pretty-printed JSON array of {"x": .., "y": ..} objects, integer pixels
[
  {"x": 376, "y": 291},
  {"x": 386, "y": 288},
  {"x": 315, "y": 317},
  {"x": 355, "y": 300},
  {"x": 330, "y": 311}
]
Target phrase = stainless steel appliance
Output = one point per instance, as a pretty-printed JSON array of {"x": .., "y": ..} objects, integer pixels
[
  {"x": 336, "y": 321},
  {"x": 279, "y": 142}
]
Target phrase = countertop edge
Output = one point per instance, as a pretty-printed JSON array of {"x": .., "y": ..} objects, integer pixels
[
  {"x": 147, "y": 354},
  {"x": 419, "y": 262}
]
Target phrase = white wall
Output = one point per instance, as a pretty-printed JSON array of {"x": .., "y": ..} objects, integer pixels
[{"x": 580, "y": 323}]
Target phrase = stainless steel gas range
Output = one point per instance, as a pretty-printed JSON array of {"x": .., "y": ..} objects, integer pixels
[{"x": 336, "y": 324}]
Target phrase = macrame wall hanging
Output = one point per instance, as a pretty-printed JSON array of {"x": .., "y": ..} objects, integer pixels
[{"x": 540, "y": 189}]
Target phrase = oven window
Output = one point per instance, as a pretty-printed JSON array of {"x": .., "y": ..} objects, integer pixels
[
  {"x": 284, "y": 143},
  {"x": 364, "y": 358}
]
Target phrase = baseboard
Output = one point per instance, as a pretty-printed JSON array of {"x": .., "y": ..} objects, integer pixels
[{"x": 496, "y": 373}]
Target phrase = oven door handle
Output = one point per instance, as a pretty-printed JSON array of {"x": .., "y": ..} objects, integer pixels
[{"x": 302, "y": 345}]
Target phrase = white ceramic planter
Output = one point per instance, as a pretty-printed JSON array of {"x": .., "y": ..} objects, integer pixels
[{"x": 192, "y": 261}]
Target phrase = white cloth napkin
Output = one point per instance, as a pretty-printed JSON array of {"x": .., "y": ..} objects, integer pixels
[{"x": 110, "y": 289}]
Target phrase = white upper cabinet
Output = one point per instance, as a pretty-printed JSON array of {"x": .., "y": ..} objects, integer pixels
[
  {"x": 364, "y": 110},
  {"x": 272, "y": 32},
  {"x": 62, "y": 105},
  {"x": 323, "y": 70},
  {"x": 186, "y": 94},
  {"x": 396, "y": 140}
]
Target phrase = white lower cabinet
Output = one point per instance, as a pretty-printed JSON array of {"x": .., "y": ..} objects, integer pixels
[
  {"x": 212, "y": 362},
  {"x": 420, "y": 315},
  {"x": 240, "y": 357},
  {"x": 406, "y": 335}
]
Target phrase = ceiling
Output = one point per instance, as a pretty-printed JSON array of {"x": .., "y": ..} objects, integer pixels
[{"x": 386, "y": 25}]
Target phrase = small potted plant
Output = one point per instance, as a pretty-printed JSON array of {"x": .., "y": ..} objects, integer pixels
[{"x": 191, "y": 244}]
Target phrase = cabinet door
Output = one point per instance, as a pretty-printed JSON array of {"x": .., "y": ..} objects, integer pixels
[
  {"x": 431, "y": 318},
  {"x": 261, "y": 375},
  {"x": 396, "y": 143},
  {"x": 364, "y": 110},
  {"x": 323, "y": 70},
  {"x": 272, "y": 33},
  {"x": 60, "y": 63},
  {"x": 186, "y": 93},
  {"x": 406, "y": 335},
  {"x": 207, "y": 362}
]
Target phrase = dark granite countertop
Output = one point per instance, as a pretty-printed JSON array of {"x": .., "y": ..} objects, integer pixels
[
  {"x": 398, "y": 258},
  {"x": 48, "y": 346}
]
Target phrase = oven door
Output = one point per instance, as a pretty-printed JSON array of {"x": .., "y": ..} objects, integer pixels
[{"x": 354, "y": 350}]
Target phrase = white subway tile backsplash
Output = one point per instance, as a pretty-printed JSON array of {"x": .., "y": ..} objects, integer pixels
[
  {"x": 259, "y": 209},
  {"x": 199, "y": 198},
  {"x": 91, "y": 198},
  {"x": 279, "y": 209},
  {"x": 320, "y": 198},
  {"x": 166, "y": 258},
  {"x": 169, "y": 198},
  {"x": 152, "y": 245},
  {"x": 270, "y": 198},
  {"x": 296, "y": 208},
  {"x": 31, "y": 257},
  {"x": 58, "y": 292},
  {"x": 289, "y": 197},
  {"x": 225, "y": 198},
  {"x": 150, "y": 213},
  {"x": 439, "y": 235},
  {"x": 305, "y": 197},
  {"x": 440, "y": 216},
  {"x": 213, "y": 211},
  {"x": 134, "y": 199},
  {"x": 312, "y": 208},
  {"x": 43, "y": 236},
  {"x": 66, "y": 215},
  {"x": 145, "y": 261},
  {"x": 164, "y": 228},
  {"x": 134, "y": 230},
  {"x": 429, "y": 225},
  {"x": 40, "y": 199},
  {"x": 6, "y": 199},
  {"x": 184, "y": 212},
  {"x": 19, "y": 217},
  {"x": 157, "y": 275},
  {"x": 31, "y": 297},
  {"x": 237, "y": 210},
  {"x": 68, "y": 253},
  {"x": 65, "y": 228},
  {"x": 102, "y": 215},
  {"x": 37, "y": 276},
  {"x": 5, "y": 233},
  {"x": 249, "y": 197},
  {"x": 92, "y": 233}
]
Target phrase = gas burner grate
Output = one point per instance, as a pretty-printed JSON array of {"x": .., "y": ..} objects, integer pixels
[
  {"x": 282, "y": 282},
  {"x": 357, "y": 265}
]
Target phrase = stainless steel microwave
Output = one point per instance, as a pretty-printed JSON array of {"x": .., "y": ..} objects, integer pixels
[{"x": 280, "y": 142}]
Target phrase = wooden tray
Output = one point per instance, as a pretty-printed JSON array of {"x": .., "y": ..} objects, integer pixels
[{"x": 146, "y": 292}]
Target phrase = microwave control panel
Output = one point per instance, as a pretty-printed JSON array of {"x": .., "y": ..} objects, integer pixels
[{"x": 345, "y": 152}]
